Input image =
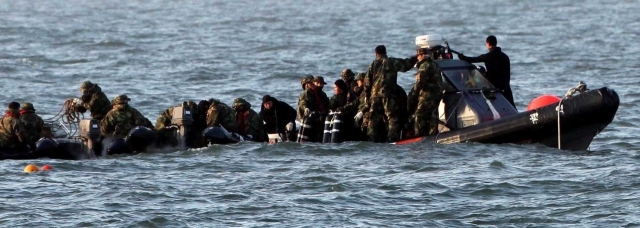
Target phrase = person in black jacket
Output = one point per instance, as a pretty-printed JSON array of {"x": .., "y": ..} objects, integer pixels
[
  {"x": 278, "y": 117},
  {"x": 498, "y": 67}
]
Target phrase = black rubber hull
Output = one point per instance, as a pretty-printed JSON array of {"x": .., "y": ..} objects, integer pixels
[
  {"x": 65, "y": 149},
  {"x": 583, "y": 117}
]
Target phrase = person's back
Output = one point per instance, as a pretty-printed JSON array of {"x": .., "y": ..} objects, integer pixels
[
  {"x": 94, "y": 100},
  {"x": 380, "y": 85},
  {"x": 12, "y": 133},
  {"x": 122, "y": 118},
  {"x": 498, "y": 67},
  {"x": 33, "y": 124},
  {"x": 220, "y": 114}
]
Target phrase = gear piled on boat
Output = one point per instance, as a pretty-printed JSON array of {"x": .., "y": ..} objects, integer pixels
[{"x": 471, "y": 109}]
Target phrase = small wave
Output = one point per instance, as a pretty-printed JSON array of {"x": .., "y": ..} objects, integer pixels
[{"x": 109, "y": 44}]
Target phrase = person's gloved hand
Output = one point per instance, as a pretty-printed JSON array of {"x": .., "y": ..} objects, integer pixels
[
  {"x": 358, "y": 116},
  {"x": 76, "y": 101}
]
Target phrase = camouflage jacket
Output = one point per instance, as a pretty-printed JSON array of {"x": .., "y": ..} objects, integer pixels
[
  {"x": 426, "y": 92},
  {"x": 250, "y": 123},
  {"x": 98, "y": 104},
  {"x": 12, "y": 133},
  {"x": 32, "y": 125},
  {"x": 220, "y": 114},
  {"x": 314, "y": 100},
  {"x": 382, "y": 76},
  {"x": 120, "y": 120}
]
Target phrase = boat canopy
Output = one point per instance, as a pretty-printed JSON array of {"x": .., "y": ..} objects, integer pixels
[{"x": 460, "y": 75}]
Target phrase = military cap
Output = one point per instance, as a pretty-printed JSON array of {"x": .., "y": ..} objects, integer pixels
[
  {"x": 85, "y": 85},
  {"x": 27, "y": 106},
  {"x": 319, "y": 79},
  {"x": 238, "y": 102},
  {"x": 360, "y": 76},
  {"x": 120, "y": 99}
]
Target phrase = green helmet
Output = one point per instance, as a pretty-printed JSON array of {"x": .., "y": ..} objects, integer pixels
[
  {"x": 86, "y": 85},
  {"x": 27, "y": 106},
  {"x": 306, "y": 79},
  {"x": 120, "y": 99},
  {"x": 239, "y": 102},
  {"x": 360, "y": 76}
]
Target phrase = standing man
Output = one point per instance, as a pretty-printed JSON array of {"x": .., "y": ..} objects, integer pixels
[
  {"x": 425, "y": 96},
  {"x": 382, "y": 101},
  {"x": 498, "y": 67}
]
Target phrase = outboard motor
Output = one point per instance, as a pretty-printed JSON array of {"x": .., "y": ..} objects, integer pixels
[
  {"x": 89, "y": 132},
  {"x": 335, "y": 131},
  {"x": 139, "y": 138},
  {"x": 326, "y": 136},
  {"x": 46, "y": 147},
  {"x": 118, "y": 146},
  {"x": 182, "y": 117},
  {"x": 219, "y": 135}
]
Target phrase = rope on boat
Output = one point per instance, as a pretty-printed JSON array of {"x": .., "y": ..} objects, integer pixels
[
  {"x": 580, "y": 88},
  {"x": 67, "y": 117}
]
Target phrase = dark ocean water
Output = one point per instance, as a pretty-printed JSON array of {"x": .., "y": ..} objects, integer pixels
[{"x": 163, "y": 52}]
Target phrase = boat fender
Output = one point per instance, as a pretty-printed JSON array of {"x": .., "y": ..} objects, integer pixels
[
  {"x": 139, "y": 138},
  {"x": 218, "y": 135},
  {"x": 46, "y": 146},
  {"x": 118, "y": 146},
  {"x": 542, "y": 101}
]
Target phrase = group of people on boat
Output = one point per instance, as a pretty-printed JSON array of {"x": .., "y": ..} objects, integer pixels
[{"x": 374, "y": 107}]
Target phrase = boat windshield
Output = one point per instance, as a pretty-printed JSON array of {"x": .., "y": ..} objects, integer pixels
[{"x": 466, "y": 78}]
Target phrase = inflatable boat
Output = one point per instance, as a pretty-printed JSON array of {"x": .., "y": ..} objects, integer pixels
[{"x": 472, "y": 110}]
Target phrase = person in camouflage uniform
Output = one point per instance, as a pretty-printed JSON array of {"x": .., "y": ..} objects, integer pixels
[
  {"x": 220, "y": 114},
  {"x": 381, "y": 100},
  {"x": 12, "y": 132},
  {"x": 122, "y": 118},
  {"x": 249, "y": 122},
  {"x": 357, "y": 90},
  {"x": 425, "y": 96},
  {"x": 348, "y": 77},
  {"x": 33, "y": 124},
  {"x": 94, "y": 100},
  {"x": 312, "y": 104},
  {"x": 319, "y": 83}
]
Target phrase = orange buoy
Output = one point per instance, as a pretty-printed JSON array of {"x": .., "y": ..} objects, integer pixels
[
  {"x": 46, "y": 167},
  {"x": 31, "y": 168},
  {"x": 542, "y": 101}
]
